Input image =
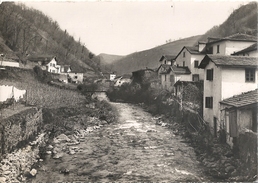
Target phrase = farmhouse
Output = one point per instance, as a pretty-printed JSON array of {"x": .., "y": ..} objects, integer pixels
[{"x": 225, "y": 76}]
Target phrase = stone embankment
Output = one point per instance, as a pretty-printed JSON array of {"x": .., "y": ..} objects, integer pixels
[{"x": 17, "y": 166}]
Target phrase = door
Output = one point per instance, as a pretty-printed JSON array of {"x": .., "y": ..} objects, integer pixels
[{"x": 233, "y": 123}]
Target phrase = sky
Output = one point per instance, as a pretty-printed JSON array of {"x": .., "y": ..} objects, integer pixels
[{"x": 124, "y": 27}]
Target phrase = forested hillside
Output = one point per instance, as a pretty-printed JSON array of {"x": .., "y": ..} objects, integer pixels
[
  {"x": 27, "y": 31},
  {"x": 150, "y": 58},
  {"x": 241, "y": 20}
]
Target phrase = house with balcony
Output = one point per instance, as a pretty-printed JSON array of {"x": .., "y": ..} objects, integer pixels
[{"x": 225, "y": 76}]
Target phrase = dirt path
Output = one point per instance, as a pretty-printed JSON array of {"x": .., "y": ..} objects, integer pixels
[{"x": 133, "y": 149}]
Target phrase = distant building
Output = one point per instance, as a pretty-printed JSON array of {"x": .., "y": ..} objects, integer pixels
[{"x": 75, "y": 77}]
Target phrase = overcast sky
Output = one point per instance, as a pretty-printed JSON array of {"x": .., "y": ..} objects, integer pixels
[{"x": 122, "y": 28}]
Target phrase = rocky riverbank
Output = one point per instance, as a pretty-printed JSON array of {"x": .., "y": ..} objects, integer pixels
[{"x": 18, "y": 165}]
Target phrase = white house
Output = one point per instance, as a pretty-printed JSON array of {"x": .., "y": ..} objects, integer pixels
[
  {"x": 190, "y": 57},
  {"x": 230, "y": 44},
  {"x": 225, "y": 76},
  {"x": 52, "y": 66}
]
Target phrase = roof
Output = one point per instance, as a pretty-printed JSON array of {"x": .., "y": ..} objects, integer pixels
[
  {"x": 243, "y": 99},
  {"x": 166, "y": 68},
  {"x": 229, "y": 61},
  {"x": 253, "y": 47},
  {"x": 168, "y": 57},
  {"x": 180, "y": 70},
  {"x": 235, "y": 37},
  {"x": 190, "y": 49}
]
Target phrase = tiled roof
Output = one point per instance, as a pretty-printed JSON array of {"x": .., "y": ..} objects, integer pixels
[
  {"x": 236, "y": 37},
  {"x": 230, "y": 61},
  {"x": 243, "y": 99},
  {"x": 253, "y": 47},
  {"x": 193, "y": 49},
  {"x": 168, "y": 57},
  {"x": 180, "y": 70}
]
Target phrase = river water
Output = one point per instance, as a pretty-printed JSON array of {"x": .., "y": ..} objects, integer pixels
[{"x": 132, "y": 149}]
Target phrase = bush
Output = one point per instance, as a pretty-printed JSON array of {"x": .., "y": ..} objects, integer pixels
[{"x": 42, "y": 76}]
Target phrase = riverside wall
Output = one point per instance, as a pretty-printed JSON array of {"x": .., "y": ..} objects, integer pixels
[{"x": 17, "y": 130}]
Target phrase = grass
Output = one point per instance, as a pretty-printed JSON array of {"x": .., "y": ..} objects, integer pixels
[{"x": 40, "y": 94}]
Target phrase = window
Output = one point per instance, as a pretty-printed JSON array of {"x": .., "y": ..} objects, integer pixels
[
  {"x": 165, "y": 62},
  {"x": 165, "y": 77},
  {"x": 196, "y": 64},
  {"x": 195, "y": 77},
  {"x": 75, "y": 77},
  {"x": 53, "y": 65},
  {"x": 250, "y": 75},
  {"x": 209, "y": 74},
  {"x": 209, "y": 102},
  {"x": 50, "y": 64},
  {"x": 217, "y": 48},
  {"x": 183, "y": 63},
  {"x": 172, "y": 79},
  {"x": 183, "y": 54}
]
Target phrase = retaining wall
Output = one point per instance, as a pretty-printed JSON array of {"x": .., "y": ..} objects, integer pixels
[{"x": 17, "y": 130}]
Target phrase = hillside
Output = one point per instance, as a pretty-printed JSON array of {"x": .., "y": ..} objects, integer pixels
[
  {"x": 150, "y": 58},
  {"x": 241, "y": 20},
  {"x": 107, "y": 60},
  {"x": 25, "y": 31}
]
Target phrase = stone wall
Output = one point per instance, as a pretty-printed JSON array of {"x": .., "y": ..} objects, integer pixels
[{"x": 17, "y": 130}]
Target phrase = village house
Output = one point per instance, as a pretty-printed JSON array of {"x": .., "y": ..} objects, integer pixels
[
  {"x": 239, "y": 114},
  {"x": 109, "y": 75},
  {"x": 190, "y": 57},
  {"x": 166, "y": 61},
  {"x": 229, "y": 45},
  {"x": 119, "y": 81},
  {"x": 225, "y": 76},
  {"x": 52, "y": 66},
  {"x": 75, "y": 77}
]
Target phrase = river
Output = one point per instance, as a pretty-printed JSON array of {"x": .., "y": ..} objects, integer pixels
[{"x": 132, "y": 149}]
